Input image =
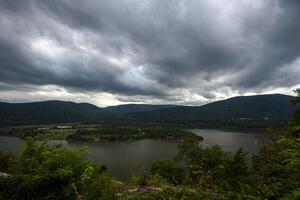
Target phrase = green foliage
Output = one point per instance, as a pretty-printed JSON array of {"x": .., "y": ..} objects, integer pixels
[
  {"x": 41, "y": 172},
  {"x": 293, "y": 195},
  {"x": 5, "y": 159},
  {"x": 236, "y": 170},
  {"x": 130, "y": 132},
  {"x": 296, "y": 99},
  {"x": 168, "y": 170},
  {"x": 290, "y": 154},
  {"x": 206, "y": 166},
  {"x": 177, "y": 193},
  {"x": 95, "y": 186},
  {"x": 104, "y": 132},
  {"x": 141, "y": 178},
  {"x": 275, "y": 169},
  {"x": 275, "y": 172},
  {"x": 294, "y": 124}
]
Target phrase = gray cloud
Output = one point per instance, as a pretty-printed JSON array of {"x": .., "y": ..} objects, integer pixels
[{"x": 160, "y": 51}]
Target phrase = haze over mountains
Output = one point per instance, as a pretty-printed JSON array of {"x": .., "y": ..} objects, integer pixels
[{"x": 243, "y": 112}]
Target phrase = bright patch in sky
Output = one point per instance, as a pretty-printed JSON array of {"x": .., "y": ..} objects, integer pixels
[
  {"x": 48, "y": 48},
  {"x": 186, "y": 52}
]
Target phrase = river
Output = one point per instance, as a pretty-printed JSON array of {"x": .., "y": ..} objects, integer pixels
[{"x": 124, "y": 159}]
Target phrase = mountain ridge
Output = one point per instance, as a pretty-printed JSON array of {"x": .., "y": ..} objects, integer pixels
[{"x": 235, "y": 110}]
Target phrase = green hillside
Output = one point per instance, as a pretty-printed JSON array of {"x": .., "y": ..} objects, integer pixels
[
  {"x": 133, "y": 108},
  {"x": 242, "y": 112},
  {"x": 45, "y": 112}
]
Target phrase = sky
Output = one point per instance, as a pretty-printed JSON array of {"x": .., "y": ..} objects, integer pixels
[{"x": 186, "y": 52}]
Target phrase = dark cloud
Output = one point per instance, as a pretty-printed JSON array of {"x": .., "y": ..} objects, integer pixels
[{"x": 160, "y": 50}]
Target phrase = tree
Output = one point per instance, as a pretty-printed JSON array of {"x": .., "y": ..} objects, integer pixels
[
  {"x": 41, "y": 172},
  {"x": 294, "y": 125},
  {"x": 168, "y": 170},
  {"x": 296, "y": 99},
  {"x": 237, "y": 170},
  {"x": 206, "y": 165},
  {"x": 5, "y": 159}
]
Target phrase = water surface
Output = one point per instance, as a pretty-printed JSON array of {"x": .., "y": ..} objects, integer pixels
[
  {"x": 230, "y": 140},
  {"x": 124, "y": 159},
  {"x": 127, "y": 158}
]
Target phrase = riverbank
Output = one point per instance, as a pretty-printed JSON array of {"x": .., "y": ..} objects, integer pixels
[{"x": 99, "y": 133}]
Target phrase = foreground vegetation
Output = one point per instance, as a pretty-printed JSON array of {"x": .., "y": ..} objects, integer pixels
[{"x": 196, "y": 173}]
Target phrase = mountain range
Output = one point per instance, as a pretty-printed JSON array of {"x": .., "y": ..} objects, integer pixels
[{"x": 241, "y": 112}]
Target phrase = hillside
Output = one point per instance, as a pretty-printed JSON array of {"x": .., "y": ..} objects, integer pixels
[
  {"x": 243, "y": 111},
  {"x": 133, "y": 108},
  {"x": 255, "y": 110},
  {"x": 45, "y": 112}
]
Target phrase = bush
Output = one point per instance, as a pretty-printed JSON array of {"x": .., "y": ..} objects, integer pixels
[
  {"x": 41, "y": 172},
  {"x": 168, "y": 170},
  {"x": 177, "y": 193},
  {"x": 5, "y": 159}
]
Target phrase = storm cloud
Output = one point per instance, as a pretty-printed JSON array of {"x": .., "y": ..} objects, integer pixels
[{"x": 150, "y": 51}]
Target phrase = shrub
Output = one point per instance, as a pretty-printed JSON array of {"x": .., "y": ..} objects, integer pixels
[
  {"x": 41, "y": 172},
  {"x": 168, "y": 170}
]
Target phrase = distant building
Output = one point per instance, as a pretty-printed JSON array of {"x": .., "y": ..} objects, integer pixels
[
  {"x": 43, "y": 128},
  {"x": 170, "y": 138},
  {"x": 63, "y": 127}
]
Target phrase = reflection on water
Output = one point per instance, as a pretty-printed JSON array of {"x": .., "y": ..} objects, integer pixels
[
  {"x": 125, "y": 158},
  {"x": 10, "y": 144},
  {"x": 228, "y": 140}
]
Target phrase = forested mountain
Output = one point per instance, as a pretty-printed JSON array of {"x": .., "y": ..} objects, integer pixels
[
  {"x": 133, "y": 108},
  {"x": 252, "y": 110},
  {"x": 46, "y": 112},
  {"x": 258, "y": 110}
]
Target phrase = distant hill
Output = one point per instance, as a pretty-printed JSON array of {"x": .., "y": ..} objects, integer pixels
[
  {"x": 241, "y": 112},
  {"x": 45, "y": 112},
  {"x": 258, "y": 110},
  {"x": 133, "y": 108}
]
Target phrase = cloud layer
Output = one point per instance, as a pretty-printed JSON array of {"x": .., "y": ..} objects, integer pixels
[{"x": 152, "y": 51}]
